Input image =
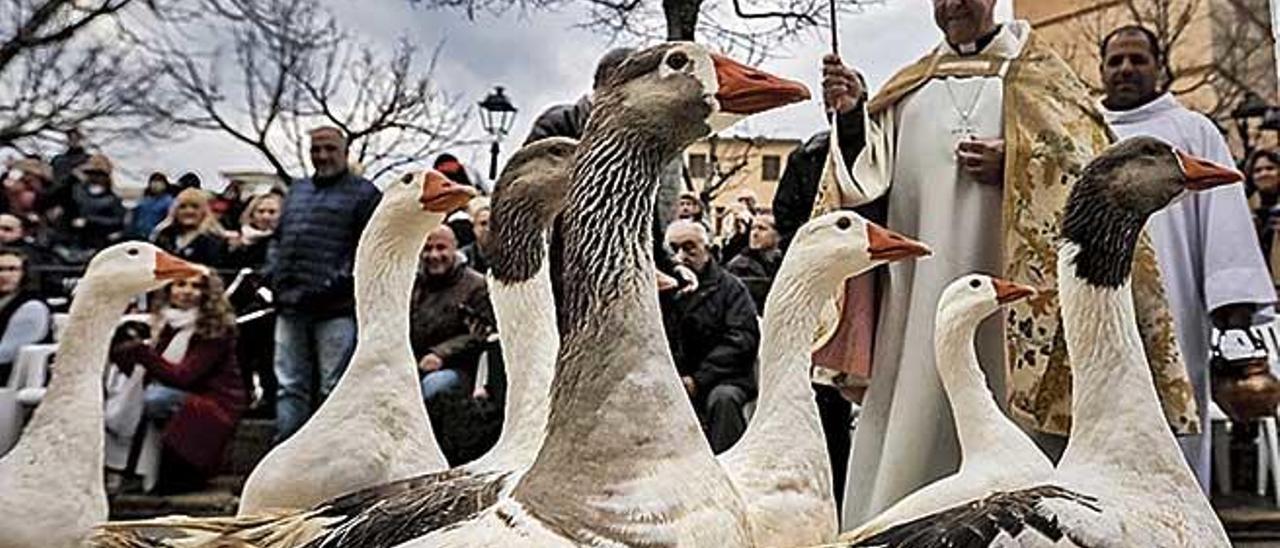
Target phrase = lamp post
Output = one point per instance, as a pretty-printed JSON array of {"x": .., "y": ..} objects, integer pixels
[
  {"x": 496, "y": 115},
  {"x": 1251, "y": 106}
]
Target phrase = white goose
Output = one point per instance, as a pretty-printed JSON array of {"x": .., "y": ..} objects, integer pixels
[
  {"x": 781, "y": 466},
  {"x": 1122, "y": 480},
  {"x": 51, "y": 483},
  {"x": 995, "y": 454},
  {"x": 624, "y": 461},
  {"x": 373, "y": 427},
  {"x": 528, "y": 196}
]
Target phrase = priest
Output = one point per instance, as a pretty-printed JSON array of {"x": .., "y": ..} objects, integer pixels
[
  {"x": 1208, "y": 251},
  {"x": 974, "y": 148}
]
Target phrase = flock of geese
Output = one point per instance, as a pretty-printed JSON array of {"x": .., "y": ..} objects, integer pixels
[{"x": 600, "y": 446}]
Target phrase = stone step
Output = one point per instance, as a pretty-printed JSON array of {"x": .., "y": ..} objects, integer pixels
[
  {"x": 251, "y": 442},
  {"x": 215, "y": 500}
]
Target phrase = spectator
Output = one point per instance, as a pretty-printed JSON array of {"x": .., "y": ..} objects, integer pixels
[
  {"x": 88, "y": 213},
  {"x": 27, "y": 181},
  {"x": 14, "y": 234},
  {"x": 758, "y": 264},
  {"x": 187, "y": 180},
  {"x": 689, "y": 207},
  {"x": 478, "y": 210},
  {"x": 1263, "y": 186},
  {"x": 714, "y": 336},
  {"x": 24, "y": 318},
  {"x": 152, "y": 208},
  {"x": 65, "y": 164},
  {"x": 568, "y": 120},
  {"x": 445, "y": 293},
  {"x": 749, "y": 200},
  {"x": 309, "y": 267},
  {"x": 735, "y": 230},
  {"x": 230, "y": 204},
  {"x": 191, "y": 231},
  {"x": 196, "y": 393},
  {"x": 257, "y": 225}
]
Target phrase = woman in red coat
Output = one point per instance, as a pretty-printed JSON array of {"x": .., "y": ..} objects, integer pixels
[{"x": 196, "y": 389}]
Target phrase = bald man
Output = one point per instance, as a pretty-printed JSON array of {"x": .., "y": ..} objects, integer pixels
[{"x": 714, "y": 335}]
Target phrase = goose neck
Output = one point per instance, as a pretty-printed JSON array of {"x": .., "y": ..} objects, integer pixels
[
  {"x": 1117, "y": 419},
  {"x": 790, "y": 319},
  {"x": 980, "y": 425}
]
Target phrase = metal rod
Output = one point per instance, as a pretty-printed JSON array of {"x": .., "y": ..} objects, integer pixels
[{"x": 835, "y": 42}]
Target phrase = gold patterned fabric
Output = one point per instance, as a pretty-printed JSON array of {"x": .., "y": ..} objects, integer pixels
[{"x": 1051, "y": 130}]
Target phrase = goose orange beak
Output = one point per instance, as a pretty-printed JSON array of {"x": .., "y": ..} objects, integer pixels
[
  {"x": 440, "y": 195},
  {"x": 169, "y": 268},
  {"x": 748, "y": 90},
  {"x": 1202, "y": 174},
  {"x": 887, "y": 245},
  {"x": 1007, "y": 291}
]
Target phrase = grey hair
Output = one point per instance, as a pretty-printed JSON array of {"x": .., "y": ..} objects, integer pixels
[{"x": 687, "y": 223}]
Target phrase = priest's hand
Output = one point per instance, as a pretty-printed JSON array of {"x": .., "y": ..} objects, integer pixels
[
  {"x": 841, "y": 87},
  {"x": 982, "y": 159}
]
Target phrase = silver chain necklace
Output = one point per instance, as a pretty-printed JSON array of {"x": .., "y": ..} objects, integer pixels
[{"x": 966, "y": 128}]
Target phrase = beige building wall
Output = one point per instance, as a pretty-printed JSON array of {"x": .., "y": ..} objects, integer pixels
[{"x": 752, "y": 164}]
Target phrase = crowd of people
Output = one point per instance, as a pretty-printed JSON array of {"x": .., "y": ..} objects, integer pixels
[{"x": 289, "y": 251}]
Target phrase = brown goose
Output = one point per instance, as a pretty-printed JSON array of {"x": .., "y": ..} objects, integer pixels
[{"x": 624, "y": 461}]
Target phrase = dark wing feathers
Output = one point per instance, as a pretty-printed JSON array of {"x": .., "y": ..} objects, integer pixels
[
  {"x": 396, "y": 512},
  {"x": 978, "y": 523}
]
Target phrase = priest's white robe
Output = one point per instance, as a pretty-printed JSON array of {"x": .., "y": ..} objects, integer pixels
[
  {"x": 1206, "y": 246},
  {"x": 905, "y": 437}
]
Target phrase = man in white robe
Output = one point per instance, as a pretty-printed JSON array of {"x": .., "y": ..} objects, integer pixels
[
  {"x": 1208, "y": 251},
  {"x": 947, "y": 192}
]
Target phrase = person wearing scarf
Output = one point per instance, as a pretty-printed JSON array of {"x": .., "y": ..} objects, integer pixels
[{"x": 196, "y": 390}]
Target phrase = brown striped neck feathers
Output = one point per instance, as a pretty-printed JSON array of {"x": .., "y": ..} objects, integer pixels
[{"x": 530, "y": 193}]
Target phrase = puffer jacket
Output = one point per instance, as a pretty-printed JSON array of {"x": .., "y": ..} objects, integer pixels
[{"x": 310, "y": 260}]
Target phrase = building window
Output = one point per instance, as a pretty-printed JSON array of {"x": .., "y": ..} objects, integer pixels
[
  {"x": 770, "y": 167},
  {"x": 698, "y": 166}
]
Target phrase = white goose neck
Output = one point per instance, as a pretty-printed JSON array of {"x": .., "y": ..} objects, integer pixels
[
  {"x": 982, "y": 429},
  {"x": 1117, "y": 419},
  {"x": 65, "y": 435},
  {"x": 526, "y": 316}
]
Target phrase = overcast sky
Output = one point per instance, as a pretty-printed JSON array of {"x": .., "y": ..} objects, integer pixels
[{"x": 542, "y": 60}]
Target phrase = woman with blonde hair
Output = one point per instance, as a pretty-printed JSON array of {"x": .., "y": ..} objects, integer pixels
[
  {"x": 257, "y": 225},
  {"x": 191, "y": 230},
  {"x": 195, "y": 388}
]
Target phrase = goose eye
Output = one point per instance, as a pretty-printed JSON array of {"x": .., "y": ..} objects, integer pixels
[
  {"x": 975, "y": 284},
  {"x": 677, "y": 60},
  {"x": 843, "y": 223},
  {"x": 133, "y": 252},
  {"x": 408, "y": 178}
]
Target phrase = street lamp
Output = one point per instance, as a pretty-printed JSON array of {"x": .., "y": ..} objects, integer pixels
[
  {"x": 496, "y": 115},
  {"x": 1252, "y": 106}
]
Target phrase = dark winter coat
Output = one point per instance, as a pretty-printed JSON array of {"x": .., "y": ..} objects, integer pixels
[
  {"x": 713, "y": 332},
  {"x": 313, "y": 252},
  {"x": 756, "y": 269},
  {"x": 567, "y": 120},
  {"x": 205, "y": 249},
  {"x": 438, "y": 321}
]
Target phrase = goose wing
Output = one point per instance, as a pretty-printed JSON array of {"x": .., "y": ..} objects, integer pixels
[
  {"x": 382, "y": 515},
  {"x": 1049, "y": 514}
]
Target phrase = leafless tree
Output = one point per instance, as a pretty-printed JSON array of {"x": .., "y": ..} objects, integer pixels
[
  {"x": 751, "y": 29},
  {"x": 294, "y": 68},
  {"x": 61, "y": 66},
  {"x": 723, "y": 166}
]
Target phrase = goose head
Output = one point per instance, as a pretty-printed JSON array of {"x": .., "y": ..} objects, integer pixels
[
  {"x": 528, "y": 196},
  {"x": 1119, "y": 190},
  {"x": 977, "y": 296},
  {"x": 842, "y": 244},
  {"x": 413, "y": 193},
  {"x": 682, "y": 91},
  {"x": 137, "y": 267}
]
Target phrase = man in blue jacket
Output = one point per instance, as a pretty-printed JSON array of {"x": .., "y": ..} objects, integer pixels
[{"x": 309, "y": 265}]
